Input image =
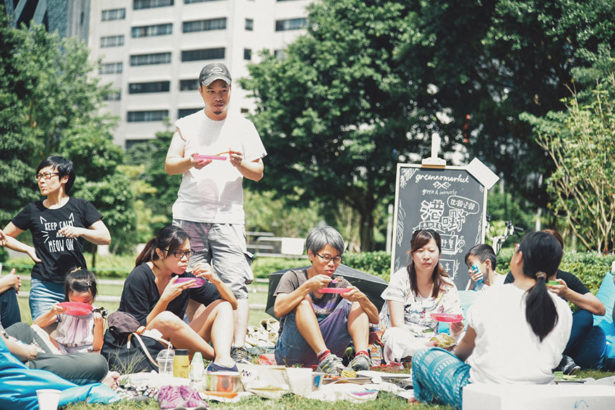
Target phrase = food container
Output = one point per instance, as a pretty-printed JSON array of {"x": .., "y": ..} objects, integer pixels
[{"x": 223, "y": 381}]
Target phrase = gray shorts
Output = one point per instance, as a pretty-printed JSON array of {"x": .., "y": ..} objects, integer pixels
[{"x": 224, "y": 247}]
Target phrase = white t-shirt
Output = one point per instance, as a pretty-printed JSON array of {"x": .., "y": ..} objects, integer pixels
[
  {"x": 506, "y": 349},
  {"x": 417, "y": 309},
  {"x": 214, "y": 193}
]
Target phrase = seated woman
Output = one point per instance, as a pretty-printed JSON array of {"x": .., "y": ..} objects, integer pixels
[
  {"x": 155, "y": 297},
  {"x": 414, "y": 293},
  {"x": 516, "y": 333}
]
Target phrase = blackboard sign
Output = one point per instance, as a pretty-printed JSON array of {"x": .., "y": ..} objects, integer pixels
[{"x": 450, "y": 201}]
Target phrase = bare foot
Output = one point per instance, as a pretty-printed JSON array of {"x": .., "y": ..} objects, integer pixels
[
  {"x": 413, "y": 401},
  {"x": 111, "y": 379}
]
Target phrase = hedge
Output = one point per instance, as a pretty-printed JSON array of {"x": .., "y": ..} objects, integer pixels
[{"x": 589, "y": 267}]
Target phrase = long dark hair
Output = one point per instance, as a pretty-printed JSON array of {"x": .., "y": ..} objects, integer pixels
[
  {"x": 419, "y": 239},
  {"x": 80, "y": 280},
  {"x": 168, "y": 239},
  {"x": 541, "y": 254}
]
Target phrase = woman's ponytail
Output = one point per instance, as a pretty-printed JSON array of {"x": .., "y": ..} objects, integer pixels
[{"x": 541, "y": 257}]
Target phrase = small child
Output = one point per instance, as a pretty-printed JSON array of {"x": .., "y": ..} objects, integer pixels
[
  {"x": 76, "y": 334},
  {"x": 484, "y": 257}
]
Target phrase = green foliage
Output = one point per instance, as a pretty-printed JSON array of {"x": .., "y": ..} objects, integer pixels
[
  {"x": 159, "y": 197},
  {"x": 263, "y": 266},
  {"x": 580, "y": 143},
  {"x": 375, "y": 263}
]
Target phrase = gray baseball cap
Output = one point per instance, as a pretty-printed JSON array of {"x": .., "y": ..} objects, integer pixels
[{"x": 214, "y": 71}]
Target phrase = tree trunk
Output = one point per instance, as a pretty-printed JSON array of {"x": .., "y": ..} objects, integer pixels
[
  {"x": 94, "y": 252},
  {"x": 366, "y": 218}
]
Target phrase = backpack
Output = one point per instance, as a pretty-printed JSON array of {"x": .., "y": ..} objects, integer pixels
[{"x": 125, "y": 350}]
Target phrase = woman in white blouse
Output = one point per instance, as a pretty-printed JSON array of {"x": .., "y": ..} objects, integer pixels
[{"x": 414, "y": 293}]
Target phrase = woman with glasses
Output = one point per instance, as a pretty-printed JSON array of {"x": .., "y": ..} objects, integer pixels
[
  {"x": 317, "y": 324},
  {"x": 58, "y": 224},
  {"x": 516, "y": 333},
  {"x": 414, "y": 293},
  {"x": 157, "y": 292}
]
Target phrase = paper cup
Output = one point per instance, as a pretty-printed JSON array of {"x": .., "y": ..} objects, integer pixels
[
  {"x": 317, "y": 379},
  {"x": 300, "y": 380},
  {"x": 48, "y": 399}
]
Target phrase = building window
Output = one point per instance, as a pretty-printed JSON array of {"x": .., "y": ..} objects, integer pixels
[
  {"x": 204, "y": 25},
  {"x": 247, "y": 54},
  {"x": 188, "y": 85},
  {"x": 197, "y": 1},
  {"x": 111, "y": 68},
  {"x": 114, "y": 95},
  {"x": 182, "y": 112},
  {"x": 152, "y": 31},
  {"x": 149, "y": 87},
  {"x": 291, "y": 24},
  {"x": 112, "y": 41},
  {"x": 113, "y": 14},
  {"x": 150, "y": 4},
  {"x": 249, "y": 24},
  {"x": 203, "y": 54},
  {"x": 150, "y": 59},
  {"x": 145, "y": 116},
  {"x": 279, "y": 54}
]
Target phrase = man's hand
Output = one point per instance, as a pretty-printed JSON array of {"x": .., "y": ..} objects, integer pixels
[
  {"x": 205, "y": 271},
  {"x": 32, "y": 254},
  {"x": 354, "y": 295},
  {"x": 318, "y": 282},
  {"x": 198, "y": 163},
  {"x": 560, "y": 290},
  {"x": 71, "y": 231},
  {"x": 235, "y": 157}
]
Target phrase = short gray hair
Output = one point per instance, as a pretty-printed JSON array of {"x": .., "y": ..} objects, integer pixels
[{"x": 319, "y": 237}]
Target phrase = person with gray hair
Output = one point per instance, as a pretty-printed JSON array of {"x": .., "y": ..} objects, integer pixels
[{"x": 321, "y": 314}]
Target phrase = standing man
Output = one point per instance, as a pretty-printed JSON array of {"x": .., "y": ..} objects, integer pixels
[{"x": 214, "y": 151}]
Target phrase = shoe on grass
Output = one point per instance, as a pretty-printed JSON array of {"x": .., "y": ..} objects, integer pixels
[
  {"x": 360, "y": 362},
  {"x": 331, "y": 365},
  {"x": 567, "y": 366},
  {"x": 212, "y": 368}
]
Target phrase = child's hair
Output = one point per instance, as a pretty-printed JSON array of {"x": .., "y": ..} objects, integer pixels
[
  {"x": 168, "y": 239},
  {"x": 63, "y": 166},
  {"x": 483, "y": 252},
  {"x": 80, "y": 280},
  {"x": 542, "y": 255}
]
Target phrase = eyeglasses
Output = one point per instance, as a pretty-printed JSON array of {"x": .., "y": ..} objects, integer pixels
[
  {"x": 180, "y": 254},
  {"x": 46, "y": 175},
  {"x": 327, "y": 258}
]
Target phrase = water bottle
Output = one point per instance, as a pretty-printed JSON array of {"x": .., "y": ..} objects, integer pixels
[
  {"x": 197, "y": 368},
  {"x": 479, "y": 283}
]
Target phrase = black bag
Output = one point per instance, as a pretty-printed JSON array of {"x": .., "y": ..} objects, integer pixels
[{"x": 129, "y": 352}]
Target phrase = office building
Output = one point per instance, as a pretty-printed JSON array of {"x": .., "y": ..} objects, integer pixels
[{"x": 153, "y": 50}]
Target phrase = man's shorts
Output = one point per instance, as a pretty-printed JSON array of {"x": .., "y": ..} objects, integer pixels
[
  {"x": 224, "y": 247},
  {"x": 292, "y": 348}
]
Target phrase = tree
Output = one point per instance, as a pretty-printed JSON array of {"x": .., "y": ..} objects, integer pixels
[
  {"x": 50, "y": 105},
  {"x": 581, "y": 143},
  {"x": 331, "y": 113},
  {"x": 364, "y": 89}
]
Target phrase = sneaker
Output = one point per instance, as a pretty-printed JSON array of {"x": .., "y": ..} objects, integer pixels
[
  {"x": 239, "y": 354},
  {"x": 360, "y": 362},
  {"x": 568, "y": 366},
  {"x": 212, "y": 368},
  {"x": 331, "y": 365}
]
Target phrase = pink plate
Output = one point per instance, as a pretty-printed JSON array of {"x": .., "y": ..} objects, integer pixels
[
  {"x": 76, "y": 308},
  {"x": 447, "y": 317},
  {"x": 209, "y": 157},
  {"x": 334, "y": 290},
  {"x": 197, "y": 284}
]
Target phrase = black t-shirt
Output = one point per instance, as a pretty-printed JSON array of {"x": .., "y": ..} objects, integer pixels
[
  {"x": 571, "y": 280},
  {"x": 59, "y": 255},
  {"x": 140, "y": 294}
]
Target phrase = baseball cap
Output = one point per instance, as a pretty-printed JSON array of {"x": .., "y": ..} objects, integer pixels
[{"x": 214, "y": 71}]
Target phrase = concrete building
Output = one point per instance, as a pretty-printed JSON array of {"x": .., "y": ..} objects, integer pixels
[
  {"x": 70, "y": 18},
  {"x": 153, "y": 50}
]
